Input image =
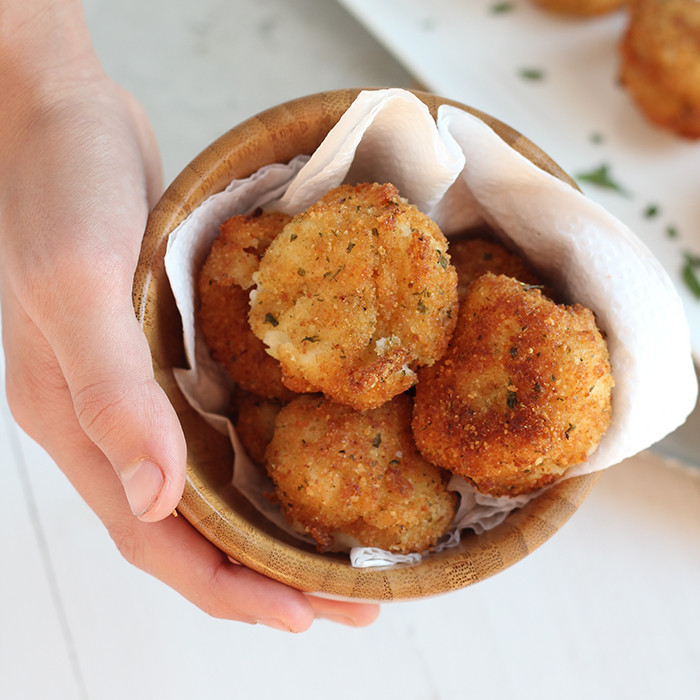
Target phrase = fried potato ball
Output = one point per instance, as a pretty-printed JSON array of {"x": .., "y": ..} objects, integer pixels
[
  {"x": 474, "y": 257},
  {"x": 660, "y": 62},
  {"x": 344, "y": 474},
  {"x": 356, "y": 293},
  {"x": 254, "y": 419},
  {"x": 581, "y": 8},
  {"x": 224, "y": 302},
  {"x": 522, "y": 394}
]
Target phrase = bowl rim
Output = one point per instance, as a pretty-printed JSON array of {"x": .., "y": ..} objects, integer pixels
[{"x": 209, "y": 507}]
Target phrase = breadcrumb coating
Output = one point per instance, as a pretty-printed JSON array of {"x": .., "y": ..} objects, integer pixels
[
  {"x": 660, "y": 62},
  {"x": 522, "y": 394},
  {"x": 355, "y": 294},
  {"x": 224, "y": 303},
  {"x": 254, "y": 419},
  {"x": 341, "y": 473},
  {"x": 473, "y": 257}
]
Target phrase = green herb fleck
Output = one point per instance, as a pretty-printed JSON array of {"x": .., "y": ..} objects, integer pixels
[
  {"x": 597, "y": 137},
  {"x": 672, "y": 232},
  {"x": 651, "y": 211},
  {"x": 500, "y": 8},
  {"x": 310, "y": 339},
  {"x": 443, "y": 262},
  {"x": 600, "y": 177},
  {"x": 532, "y": 74},
  {"x": 511, "y": 398},
  {"x": 293, "y": 237},
  {"x": 569, "y": 430},
  {"x": 351, "y": 245},
  {"x": 330, "y": 275},
  {"x": 513, "y": 351},
  {"x": 689, "y": 274},
  {"x": 269, "y": 318},
  {"x": 377, "y": 440},
  {"x": 301, "y": 272},
  {"x": 421, "y": 306}
]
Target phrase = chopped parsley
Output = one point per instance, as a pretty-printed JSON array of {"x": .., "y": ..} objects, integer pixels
[
  {"x": 689, "y": 273},
  {"x": 600, "y": 177},
  {"x": 651, "y": 211},
  {"x": 511, "y": 398},
  {"x": 501, "y": 8},
  {"x": 672, "y": 231},
  {"x": 269, "y": 318},
  {"x": 533, "y": 74},
  {"x": 377, "y": 440}
]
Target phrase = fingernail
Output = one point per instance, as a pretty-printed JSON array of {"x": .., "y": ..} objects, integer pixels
[
  {"x": 275, "y": 624},
  {"x": 142, "y": 483}
]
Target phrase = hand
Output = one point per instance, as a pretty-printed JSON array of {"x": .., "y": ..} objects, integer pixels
[{"x": 78, "y": 171}]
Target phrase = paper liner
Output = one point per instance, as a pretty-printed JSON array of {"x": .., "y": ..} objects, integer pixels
[{"x": 459, "y": 172}]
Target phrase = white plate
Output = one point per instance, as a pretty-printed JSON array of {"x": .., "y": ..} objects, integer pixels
[{"x": 576, "y": 111}]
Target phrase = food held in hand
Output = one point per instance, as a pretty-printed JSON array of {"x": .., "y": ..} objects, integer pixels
[
  {"x": 224, "y": 290},
  {"x": 349, "y": 477},
  {"x": 522, "y": 394},
  {"x": 660, "y": 62},
  {"x": 354, "y": 295}
]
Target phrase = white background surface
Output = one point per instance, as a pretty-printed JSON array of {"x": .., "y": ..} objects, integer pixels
[{"x": 609, "y": 608}]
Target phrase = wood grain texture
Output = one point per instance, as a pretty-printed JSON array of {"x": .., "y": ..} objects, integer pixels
[{"x": 209, "y": 501}]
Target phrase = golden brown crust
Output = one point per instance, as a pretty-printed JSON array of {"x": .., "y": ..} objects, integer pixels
[
  {"x": 224, "y": 303},
  {"x": 254, "y": 419},
  {"x": 522, "y": 394},
  {"x": 474, "y": 257},
  {"x": 660, "y": 62},
  {"x": 339, "y": 471},
  {"x": 356, "y": 293}
]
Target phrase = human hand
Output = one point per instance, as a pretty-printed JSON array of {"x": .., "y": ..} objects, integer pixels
[{"x": 78, "y": 171}]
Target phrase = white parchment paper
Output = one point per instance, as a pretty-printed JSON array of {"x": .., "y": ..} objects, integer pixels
[{"x": 459, "y": 172}]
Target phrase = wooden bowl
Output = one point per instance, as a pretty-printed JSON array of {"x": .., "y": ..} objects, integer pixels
[{"x": 210, "y": 503}]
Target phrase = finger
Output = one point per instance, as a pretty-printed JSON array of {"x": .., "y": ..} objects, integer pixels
[
  {"x": 344, "y": 612},
  {"x": 122, "y": 409},
  {"x": 170, "y": 550},
  {"x": 113, "y": 394}
]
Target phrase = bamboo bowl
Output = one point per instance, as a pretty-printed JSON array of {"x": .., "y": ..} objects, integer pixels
[{"x": 210, "y": 503}]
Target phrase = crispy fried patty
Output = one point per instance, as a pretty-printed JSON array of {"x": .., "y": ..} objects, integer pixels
[
  {"x": 522, "y": 394},
  {"x": 224, "y": 283},
  {"x": 355, "y": 294},
  {"x": 339, "y": 472}
]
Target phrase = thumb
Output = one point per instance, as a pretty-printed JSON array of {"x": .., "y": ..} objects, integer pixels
[{"x": 106, "y": 363}]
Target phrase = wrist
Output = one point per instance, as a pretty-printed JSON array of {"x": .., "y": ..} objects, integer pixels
[{"x": 44, "y": 46}]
